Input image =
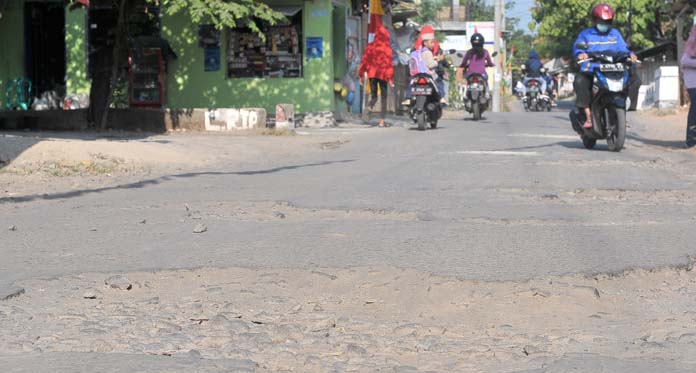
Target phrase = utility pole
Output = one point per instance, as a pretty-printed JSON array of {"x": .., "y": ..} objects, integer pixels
[{"x": 498, "y": 74}]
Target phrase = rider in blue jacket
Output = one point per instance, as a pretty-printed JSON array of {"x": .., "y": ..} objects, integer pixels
[
  {"x": 532, "y": 71},
  {"x": 600, "y": 38}
]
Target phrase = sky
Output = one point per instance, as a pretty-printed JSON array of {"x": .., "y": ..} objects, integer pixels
[{"x": 521, "y": 11}]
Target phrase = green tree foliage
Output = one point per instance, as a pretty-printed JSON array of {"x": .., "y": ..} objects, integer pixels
[
  {"x": 427, "y": 11},
  {"x": 521, "y": 42},
  {"x": 224, "y": 13},
  {"x": 479, "y": 10},
  {"x": 560, "y": 21}
]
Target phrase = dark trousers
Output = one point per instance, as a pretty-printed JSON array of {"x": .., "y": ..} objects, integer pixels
[
  {"x": 440, "y": 82},
  {"x": 691, "y": 120},
  {"x": 374, "y": 82},
  {"x": 583, "y": 89}
]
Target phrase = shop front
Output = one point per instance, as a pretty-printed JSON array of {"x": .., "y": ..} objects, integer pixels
[
  {"x": 298, "y": 62},
  {"x": 236, "y": 68}
]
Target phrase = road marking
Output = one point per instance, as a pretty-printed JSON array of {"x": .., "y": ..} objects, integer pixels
[
  {"x": 499, "y": 152},
  {"x": 532, "y": 135}
]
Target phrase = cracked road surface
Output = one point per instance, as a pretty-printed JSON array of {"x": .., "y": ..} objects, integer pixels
[{"x": 509, "y": 198}]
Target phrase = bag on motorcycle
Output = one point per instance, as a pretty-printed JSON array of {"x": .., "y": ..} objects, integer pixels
[{"x": 415, "y": 63}]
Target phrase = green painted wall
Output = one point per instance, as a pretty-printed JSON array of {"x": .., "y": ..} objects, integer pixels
[
  {"x": 76, "y": 52},
  {"x": 11, "y": 45},
  {"x": 191, "y": 87}
]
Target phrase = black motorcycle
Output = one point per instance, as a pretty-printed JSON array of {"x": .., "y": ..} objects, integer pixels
[
  {"x": 425, "y": 107},
  {"x": 476, "y": 97},
  {"x": 608, "y": 105}
]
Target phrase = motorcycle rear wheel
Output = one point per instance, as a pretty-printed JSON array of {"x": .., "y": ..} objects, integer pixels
[
  {"x": 420, "y": 118},
  {"x": 476, "y": 108}
]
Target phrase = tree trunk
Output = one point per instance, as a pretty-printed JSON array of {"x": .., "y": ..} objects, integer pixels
[{"x": 115, "y": 64}]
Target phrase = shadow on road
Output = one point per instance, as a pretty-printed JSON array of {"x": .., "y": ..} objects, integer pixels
[
  {"x": 565, "y": 144},
  {"x": 670, "y": 144},
  {"x": 159, "y": 180}
]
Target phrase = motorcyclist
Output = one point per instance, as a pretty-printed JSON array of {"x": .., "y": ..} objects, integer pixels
[
  {"x": 476, "y": 59},
  {"x": 532, "y": 71},
  {"x": 429, "y": 59},
  {"x": 600, "y": 38},
  {"x": 442, "y": 76},
  {"x": 426, "y": 45}
]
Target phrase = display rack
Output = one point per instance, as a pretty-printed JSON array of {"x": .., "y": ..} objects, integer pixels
[
  {"x": 146, "y": 77},
  {"x": 279, "y": 56}
]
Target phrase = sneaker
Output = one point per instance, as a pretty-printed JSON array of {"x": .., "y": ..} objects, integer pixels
[{"x": 406, "y": 102}]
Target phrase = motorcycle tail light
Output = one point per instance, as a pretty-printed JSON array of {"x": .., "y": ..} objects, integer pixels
[
  {"x": 475, "y": 79},
  {"x": 532, "y": 83},
  {"x": 422, "y": 81}
]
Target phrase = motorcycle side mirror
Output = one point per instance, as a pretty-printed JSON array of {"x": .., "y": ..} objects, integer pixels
[
  {"x": 460, "y": 55},
  {"x": 581, "y": 45},
  {"x": 452, "y": 51},
  {"x": 494, "y": 54}
]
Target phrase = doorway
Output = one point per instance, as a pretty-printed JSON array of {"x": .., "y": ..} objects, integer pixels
[{"x": 45, "y": 46}]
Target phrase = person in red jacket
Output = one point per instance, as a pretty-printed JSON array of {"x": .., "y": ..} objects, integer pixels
[{"x": 377, "y": 63}]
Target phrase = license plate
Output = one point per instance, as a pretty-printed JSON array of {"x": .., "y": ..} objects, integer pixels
[
  {"x": 422, "y": 91},
  {"x": 611, "y": 67}
]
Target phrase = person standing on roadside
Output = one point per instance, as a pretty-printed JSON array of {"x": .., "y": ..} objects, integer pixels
[{"x": 688, "y": 66}]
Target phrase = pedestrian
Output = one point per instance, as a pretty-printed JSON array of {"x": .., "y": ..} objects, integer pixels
[
  {"x": 377, "y": 62},
  {"x": 688, "y": 66}
]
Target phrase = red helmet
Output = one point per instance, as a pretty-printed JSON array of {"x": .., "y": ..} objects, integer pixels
[{"x": 602, "y": 13}]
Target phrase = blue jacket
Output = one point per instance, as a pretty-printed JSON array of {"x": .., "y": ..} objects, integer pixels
[
  {"x": 533, "y": 65},
  {"x": 599, "y": 43}
]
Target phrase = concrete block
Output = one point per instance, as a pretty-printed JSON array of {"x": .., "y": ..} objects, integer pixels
[
  {"x": 646, "y": 97},
  {"x": 319, "y": 120},
  {"x": 233, "y": 118},
  {"x": 285, "y": 116},
  {"x": 667, "y": 86},
  {"x": 253, "y": 118},
  {"x": 214, "y": 120}
]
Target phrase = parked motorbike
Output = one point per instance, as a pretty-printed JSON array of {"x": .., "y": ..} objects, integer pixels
[
  {"x": 425, "y": 105},
  {"x": 535, "y": 99},
  {"x": 608, "y": 105}
]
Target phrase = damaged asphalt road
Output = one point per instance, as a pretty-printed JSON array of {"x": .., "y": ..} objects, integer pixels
[{"x": 509, "y": 198}]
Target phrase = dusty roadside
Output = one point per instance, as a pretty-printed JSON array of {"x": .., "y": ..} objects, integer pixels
[
  {"x": 360, "y": 319},
  {"x": 45, "y": 162}
]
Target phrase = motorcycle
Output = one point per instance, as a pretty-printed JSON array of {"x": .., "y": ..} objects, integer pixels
[
  {"x": 535, "y": 99},
  {"x": 477, "y": 96},
  {"x": 608, "y": 105},
  {"x": 425, "y": 108}
]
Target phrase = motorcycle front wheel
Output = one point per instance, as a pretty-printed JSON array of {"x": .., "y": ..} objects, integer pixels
[{"x": 616, "y": 119}]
